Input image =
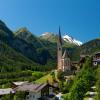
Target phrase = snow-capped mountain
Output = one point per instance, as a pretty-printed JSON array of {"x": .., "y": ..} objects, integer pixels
[
  {"x": 47, "y": 34},
  {"x": 52, "y": 37},
  {"x": 72, "y": 40}
]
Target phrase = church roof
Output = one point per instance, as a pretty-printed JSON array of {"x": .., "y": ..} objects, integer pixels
[
  {"x": 32, "y": 87},
  {"x": 65, "y": 54}
]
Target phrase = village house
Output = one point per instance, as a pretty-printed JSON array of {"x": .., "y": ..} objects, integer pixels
[
  {"x": 37, "y": 91},
  {"x": 96, "y": 58},
  {"x": 33, "y": 91}
]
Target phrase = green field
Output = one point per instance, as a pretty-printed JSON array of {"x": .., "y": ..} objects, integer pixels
[
  {"x": 86, "y": 98},
  {"x": 7, "y": 78},
  {"x": 44, "y": 79}
]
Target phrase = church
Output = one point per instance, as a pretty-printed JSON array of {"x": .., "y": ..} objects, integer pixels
[{"x": 63, "y": 61}]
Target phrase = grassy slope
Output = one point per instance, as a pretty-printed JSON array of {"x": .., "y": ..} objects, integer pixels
[
  {"x": 87, "y": 48},
  {"x": 44, "y": 79},
  {"x": 91, "y": 47},
  {"x": 9, "y": 57}
]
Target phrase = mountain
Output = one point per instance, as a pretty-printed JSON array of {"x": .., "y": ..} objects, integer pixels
[
  {"x": 72, "y": 40},
  {"x": 12, "y": 60},
  {"x": 24, "y": 34},
  {"x": 49, "y": 36},
  {"x": 29, "y": 49},
  {"x": 40, "y": 46},
  {"x": 68, "y": 40},
  {"x": 88, "y": 48},
  {"x": 22, "y": 49},
  {"x": 4, "y": 30},
  {"x": 91, "y": 47}
]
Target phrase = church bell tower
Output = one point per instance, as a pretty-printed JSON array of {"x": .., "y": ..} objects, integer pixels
[
  {"x": 63, "y": 61},
  {"x": 59, "y": 51}
]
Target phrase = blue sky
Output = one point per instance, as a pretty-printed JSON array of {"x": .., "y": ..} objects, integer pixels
[{"x": 78, "y": 18}]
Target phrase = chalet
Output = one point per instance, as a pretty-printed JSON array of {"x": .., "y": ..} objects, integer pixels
[{"x": 37, "y": 91}]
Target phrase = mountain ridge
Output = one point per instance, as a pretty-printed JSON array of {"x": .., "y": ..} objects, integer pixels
[
  {"x": 39, "y": 51},
  {"x": 72, "y": 40},
  {"x": 65, "y": 38}
]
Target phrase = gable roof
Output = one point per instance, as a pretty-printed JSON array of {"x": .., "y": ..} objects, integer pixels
[
  {"x": 96, "y": 53},
  {"x": 65, "y": 54},
  {"x": 6, "y": 91},
  {"x": 19, "y": 83},
  {"x": 31, "y": 87}
]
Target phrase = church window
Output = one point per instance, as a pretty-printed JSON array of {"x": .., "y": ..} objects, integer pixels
[{"x": 59, "y": 48}]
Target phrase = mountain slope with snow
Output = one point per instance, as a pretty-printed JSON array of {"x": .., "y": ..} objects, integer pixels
[
  {"x": 49, "y": 36},
  {"x": 66, "y": 38},
  {"x": 72, "y": 40}
]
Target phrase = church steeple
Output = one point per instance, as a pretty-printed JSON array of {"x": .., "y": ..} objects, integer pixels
[
  {"x": 63, "y": 61},
  {"x": 59, "y": 50},
  {"x": 59, "y": 37}
]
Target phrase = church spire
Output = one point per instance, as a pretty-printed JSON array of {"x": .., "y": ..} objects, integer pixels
[
  {"x": 59, "y": 36},
  {"x": 59, "y": 50}
]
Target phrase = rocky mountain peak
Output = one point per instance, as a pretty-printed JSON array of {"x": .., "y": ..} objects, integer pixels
[
  {"x": 72, "y": 40},
  {"x": 23, "y": 33},
  {"x": 67, "y": 38}
]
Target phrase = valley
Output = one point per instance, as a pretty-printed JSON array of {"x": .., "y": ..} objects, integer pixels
[{"x": 26, "y": 57}]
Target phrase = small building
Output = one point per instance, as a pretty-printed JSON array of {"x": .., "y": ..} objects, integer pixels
[
  {"x": 97, "y": 55},
  {"x": 96, "y": 58},
  {"x": 37, "y": 91}
]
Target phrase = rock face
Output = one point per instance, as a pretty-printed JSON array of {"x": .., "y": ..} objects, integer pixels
[{"x": 25, "y": 43}]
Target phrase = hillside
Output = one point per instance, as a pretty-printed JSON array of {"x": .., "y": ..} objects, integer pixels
[
  {"x": 91, "y": 47},
  {"x": 49, "y": 36},
  {"x": 19, "y": 45},
  {"x": 41, "y": 47},
  {"x": 87, "y": 48},
  {"x": 66, "y": 39},
  {"x": 12, "y": 60},
  {"x": 24, "y": 34},
  {"x": 26, "y": 49},
  {"x": 45, "y": 45}
]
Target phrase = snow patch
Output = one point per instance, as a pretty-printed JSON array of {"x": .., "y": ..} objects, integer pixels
[{"x": 70, "y": 39}]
